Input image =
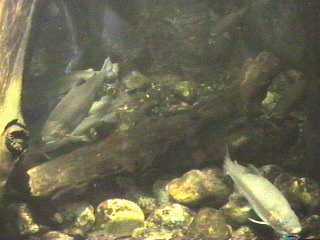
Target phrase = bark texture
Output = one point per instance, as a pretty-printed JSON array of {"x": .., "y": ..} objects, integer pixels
[{"x": 15, "y": 23}]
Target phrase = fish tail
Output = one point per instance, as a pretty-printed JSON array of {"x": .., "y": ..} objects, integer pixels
[
  {"x": 109, "y": 69},
  {"x": 227, "y": 166},
  {"x": 107, "y": 65},
  {"x": 231, "y": 167}
]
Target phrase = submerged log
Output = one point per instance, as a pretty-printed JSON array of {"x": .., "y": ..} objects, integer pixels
[
  {"x": 136, "y": 149},
  {"x": 15, "y": 22}
]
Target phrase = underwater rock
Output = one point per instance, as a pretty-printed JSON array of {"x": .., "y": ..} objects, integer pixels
[
  {"x": 209, "y": 222},
  {"x": 136, "y": 81},
  {"x": 171, "y": 94},
  {"x": 197, "y": 186},
  {"x": 97, "y": 234},
  {"x": 171, "y": 217},
  {"x": 311, "y": 225},
  {"x": 157, "y": 233},
  {"x": 118, "y": 217},
  {"x": 283, "y": 182},
  {"x": 186, "y": 91},
  {"x": 255, "y": 78},
  {"x": 130, "y": 114},
  {"x": 73, "y": 231},
  {"x": 270, "y": 101},
  {"x": 237, "y": 211},
  {"x": 56, "y": 235},
  {"x": 77, "y": 215},
  {"x": 134, "y": 193},
  {"x": 244, "y": 232},
  {"x": 161, "y": 192},
  {"x": 24, "y": 219},
  {"x": 300, "y": 189},
  {"x": 293, "y": 95},
  {"x": 271, "y": 171},
  {"x": 147, "y": 203}
]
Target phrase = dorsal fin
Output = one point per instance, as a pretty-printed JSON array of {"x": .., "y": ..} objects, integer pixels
[
  {"x": 107, "y": 65},
  {"x": 253, "y": 170},
  {"x": 227, "y": 152}
]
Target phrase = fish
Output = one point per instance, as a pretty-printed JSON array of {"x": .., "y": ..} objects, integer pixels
[
  {"x": 102, "y": 111},
  {"x": 266, "y": 200},
  {"x": 59, "y": 86},
  {"x": 228, "y": 21},
  {"x": 75, "y": 106}
]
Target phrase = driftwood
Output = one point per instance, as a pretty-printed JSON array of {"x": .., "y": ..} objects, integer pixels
[
  {"x": 136, "y": 149},
  {"x": 15, "y": 22}
]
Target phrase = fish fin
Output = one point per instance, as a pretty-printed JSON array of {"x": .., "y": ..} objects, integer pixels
[
  {"x": 259, "y": 222},
  {"x": 227, "y": 152},
  {"x": 82, "y": 138},
  {"x": 254, "y": 170},
  {"x": 107, "y": 65},
  {"x": 231, "y": 167},
  {"x": 227, "y": 161},
  {"x": 109, "y": 69}
]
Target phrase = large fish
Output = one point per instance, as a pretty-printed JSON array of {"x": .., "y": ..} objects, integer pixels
[
  {"x": 75, "y": 106},
  {"x": 267, "y": 201}
]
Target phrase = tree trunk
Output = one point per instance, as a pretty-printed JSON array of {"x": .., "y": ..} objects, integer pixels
[{"x": 15, "y": 22}]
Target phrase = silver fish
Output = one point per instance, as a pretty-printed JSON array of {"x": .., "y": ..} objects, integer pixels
[
  {"x": 75, "y": 106},
  {"x": 267, "y": 201}
]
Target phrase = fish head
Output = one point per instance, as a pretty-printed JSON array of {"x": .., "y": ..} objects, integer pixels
[
  {"x": 53, "y": 131},
  {"x": 286, "y": 226}
]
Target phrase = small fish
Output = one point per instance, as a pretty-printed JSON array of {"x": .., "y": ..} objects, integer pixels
[
  {"x": 75, "y": 106},
  {"x": 266, "y": 200},
  {"x": 228, "y": 21}
]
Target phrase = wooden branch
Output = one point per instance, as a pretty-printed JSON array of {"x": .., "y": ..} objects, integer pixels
[
  {"x": 135, "y": 150},
  {"x": 15, "y": 22}
]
